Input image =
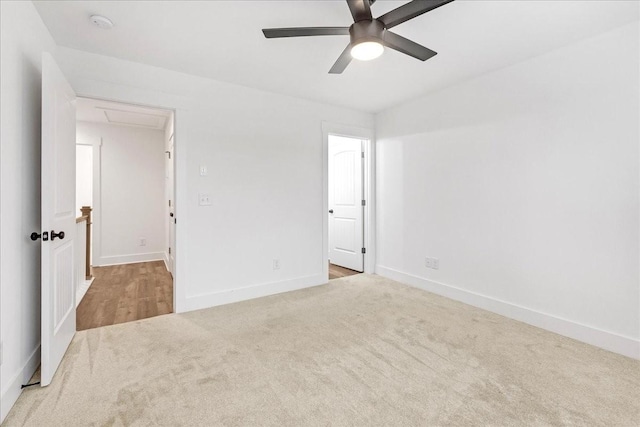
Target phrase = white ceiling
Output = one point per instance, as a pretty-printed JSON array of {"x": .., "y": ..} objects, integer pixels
[
  {"x": 223, "y": 40},
  {"x": 115, "y": 113}
]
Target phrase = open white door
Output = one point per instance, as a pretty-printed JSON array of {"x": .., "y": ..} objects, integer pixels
[
  {"x": 58, "y": 217},
  {"x": 346, "y": 232}
]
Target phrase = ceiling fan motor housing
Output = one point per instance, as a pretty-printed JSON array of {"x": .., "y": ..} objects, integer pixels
[{"x": 367, "y": 31}]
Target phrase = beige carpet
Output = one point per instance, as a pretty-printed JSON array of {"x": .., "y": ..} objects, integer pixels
[{"x": 361, "y": 350}]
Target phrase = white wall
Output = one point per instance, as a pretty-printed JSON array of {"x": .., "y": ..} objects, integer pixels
[
  {"x": 84, "y": 177},
  {"x": 23, "y": 37},
  {"x": 264, "y": 156},
  {"x": 525, "y": 184},
  {"x": 131, "y": 191}
]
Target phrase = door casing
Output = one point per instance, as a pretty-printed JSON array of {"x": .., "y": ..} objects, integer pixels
[
  {"x": 350, "y": 210},
  {"x": 368, "y": 136}
]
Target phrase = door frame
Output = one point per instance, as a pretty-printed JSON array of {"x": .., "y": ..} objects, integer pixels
[
  {"x": 177, "y": 165},
  {"x": 171, "y": 229},
  {"x": 368, "y": 181}
]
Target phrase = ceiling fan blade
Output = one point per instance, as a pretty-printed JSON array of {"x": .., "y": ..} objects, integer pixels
[
  {"x": 360, "y": 10},
  {"x": 406, "y": 46},
  {"x": 410, "y": 11},
  {"x": 343, "y": 60},
  {"x": 271, "y": 33}
]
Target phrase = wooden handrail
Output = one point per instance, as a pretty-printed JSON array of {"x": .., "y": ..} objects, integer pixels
[{"x": 86, "y": 212}]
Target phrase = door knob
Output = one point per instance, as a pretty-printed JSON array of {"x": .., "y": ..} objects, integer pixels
[
  {"x": 330, "y": 210},
  {"x": 171, "y": 214},
  {"x": 35, "y": 236},
  {"x": 59, "y": 235}
]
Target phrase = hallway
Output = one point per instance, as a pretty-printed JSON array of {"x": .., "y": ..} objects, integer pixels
[{"x": 124, "y": 293}]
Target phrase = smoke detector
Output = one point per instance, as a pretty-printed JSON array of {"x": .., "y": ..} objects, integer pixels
[{"x": 101, "y": 22}]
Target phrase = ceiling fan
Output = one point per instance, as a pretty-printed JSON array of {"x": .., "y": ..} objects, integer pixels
[{"x": 369, "y": 34}]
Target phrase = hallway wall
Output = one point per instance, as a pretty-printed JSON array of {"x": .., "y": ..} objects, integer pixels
[{"x": 130, "y": 192}]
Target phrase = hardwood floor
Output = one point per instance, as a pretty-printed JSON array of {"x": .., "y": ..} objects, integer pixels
[
  {"x": 123, "y": 293},
  {"x": 128, "y": 292},
  {"x": 336, "y": 272}
]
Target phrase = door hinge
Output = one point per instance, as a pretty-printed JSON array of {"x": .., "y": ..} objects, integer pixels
[
  {"x": 364, "y": 251},
  {"x": 169, "y": 251},
  {"x": 364, "y": 203},
  {"x": 362, "y": 154}
]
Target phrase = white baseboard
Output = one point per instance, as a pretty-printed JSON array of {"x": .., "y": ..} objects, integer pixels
[
  {"x": 620, "y": 344},
  {"x": 213, "y": 299},
  {"x": 82, "y": 290},
  {"x": 128, "y": 259},
  {"x": 165, "y": 258},
  {"x": 13, "y": 389}
]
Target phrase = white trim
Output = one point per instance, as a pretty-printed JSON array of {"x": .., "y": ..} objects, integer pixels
[
  {"x": 626, "y": 346},
  {"x": 82, "y": 290},
  {"x": 165, "y": 258},
  {"x": 96, "y": 212},
  {"x": 96, "y": 196},
  {"x": 213, "y": 299},
  {"x": 368, "y": 136},
  {"x": 12, "y": 391},
  {"x": 370, "y": 209},
  {"x": 128, "y": 259},
  {"x": 179, "y": 267}
]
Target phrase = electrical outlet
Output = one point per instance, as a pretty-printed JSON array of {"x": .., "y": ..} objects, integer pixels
[
  {"x": 204, "y": 199},
  {"x": 203, "y": 171},
  {"x": 433, "y": 263},
  {"x": 276, "y": 264},
  {"x": 143, "y": 241}
]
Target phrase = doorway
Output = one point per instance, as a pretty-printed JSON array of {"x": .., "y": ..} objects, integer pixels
[
  {"x": 346, "y": 206},
  {"x": 131, "y": 204},
  {"x": 348, "y": 201}
]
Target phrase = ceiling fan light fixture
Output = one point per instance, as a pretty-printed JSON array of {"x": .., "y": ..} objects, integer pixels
[
  {"x": 366, "y": 51},
  {"x": 368, "y": 35}
]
